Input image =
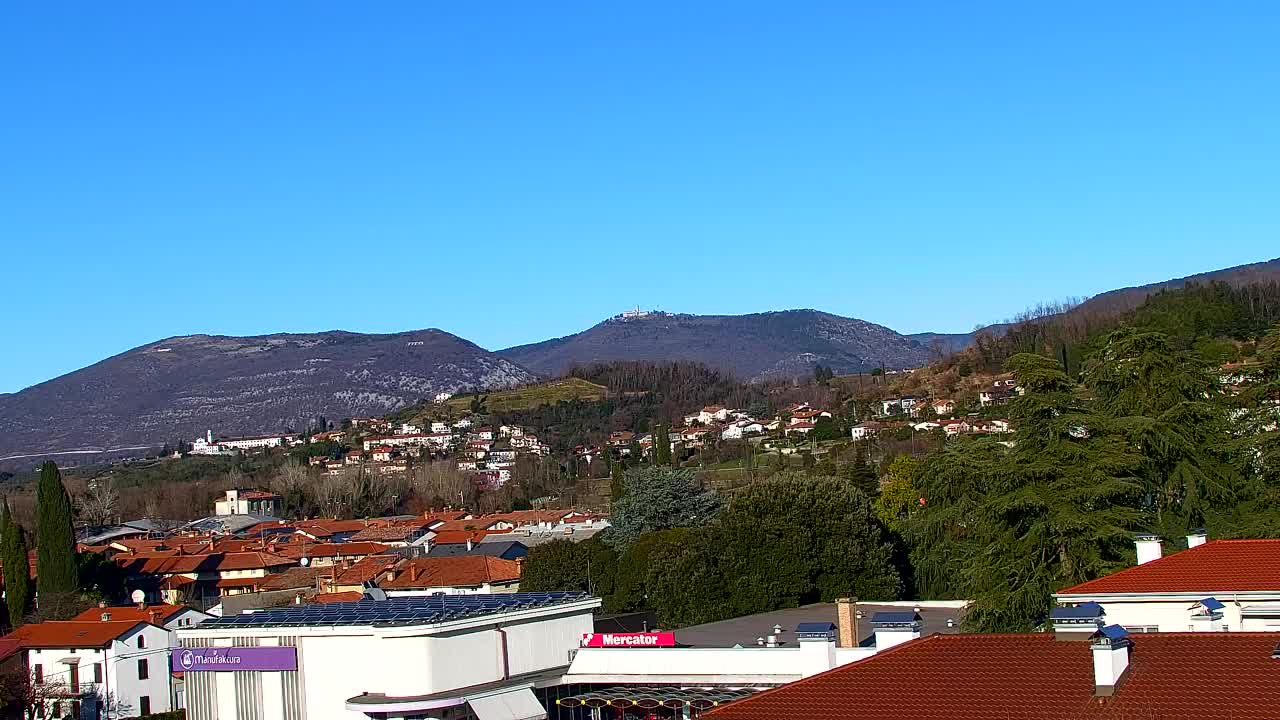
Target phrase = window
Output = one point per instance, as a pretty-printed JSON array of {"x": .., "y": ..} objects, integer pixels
[
  {"x": 37, "y": 673},
  {"x": 142, "y": 670},
  {"x": 97, "y": 672},
  {"x": 142, "y": 641},
  {"x": 1142, "y": 629},
  {"x": 144, "y": 705}
]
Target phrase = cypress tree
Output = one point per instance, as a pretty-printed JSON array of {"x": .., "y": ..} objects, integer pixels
[
  {"x": 13, "y": 554},
  {"x": 55, "y": 538},
  {"x": 661, "y": 445}
]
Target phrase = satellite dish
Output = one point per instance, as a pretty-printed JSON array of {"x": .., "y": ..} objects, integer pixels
[
  {"x": 138, "y": 596},
  {"x": 304, "y": 562}
]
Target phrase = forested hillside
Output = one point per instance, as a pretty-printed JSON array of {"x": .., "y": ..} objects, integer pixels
[{"x": 1165, "y": 421}]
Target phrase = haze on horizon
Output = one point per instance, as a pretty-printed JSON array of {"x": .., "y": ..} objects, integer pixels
[{"x": 512, "y": 174}]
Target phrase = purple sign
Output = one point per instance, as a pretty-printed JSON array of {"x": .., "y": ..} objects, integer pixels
[{"x": 227, "y": 659}]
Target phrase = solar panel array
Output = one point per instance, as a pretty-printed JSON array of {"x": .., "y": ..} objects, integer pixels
[{"x": 414, "y": 610}]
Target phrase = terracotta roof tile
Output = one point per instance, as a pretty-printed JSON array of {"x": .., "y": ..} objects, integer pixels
[
  {"x": 351, "y": 596},
  {"x": 72, "y": 633},
  {"x": 1176, "y": 676},
  {"x": 161, "y": 611},
  {"x": 459, "y": 571},
  {"x": 365, "y": 569},
  {"x": 1219, "y": 566}
]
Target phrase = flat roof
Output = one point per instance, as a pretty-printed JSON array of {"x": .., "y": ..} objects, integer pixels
[
  {"x": 744, "y": 630},
  {"x": 411, "y": 610}
]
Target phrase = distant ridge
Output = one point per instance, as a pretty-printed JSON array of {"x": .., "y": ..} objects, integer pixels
[
  {"x": 754, "y": 347},
  {"x": 182, "y": 386}
]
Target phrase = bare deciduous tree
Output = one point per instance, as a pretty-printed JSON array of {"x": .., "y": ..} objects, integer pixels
[{"x": 99, "y": 504}]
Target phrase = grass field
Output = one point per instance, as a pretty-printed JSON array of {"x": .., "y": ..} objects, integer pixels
[{"x": 524, "y": 398}]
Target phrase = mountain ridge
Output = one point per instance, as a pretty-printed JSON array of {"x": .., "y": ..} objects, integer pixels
[
  {"x": 752, "y": 346},
  {"x": 180, "y": 386}
]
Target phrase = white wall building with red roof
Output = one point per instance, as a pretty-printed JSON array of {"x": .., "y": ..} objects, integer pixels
[{"x": 1213, "y": 586}]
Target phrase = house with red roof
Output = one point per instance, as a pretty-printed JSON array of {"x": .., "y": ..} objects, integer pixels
[
  {"x": 248, "y": 502},
  {"x": 87, "y": 668},
  {"x": 1219, "y": 585},
  {"x": 1112, "y": 675}
]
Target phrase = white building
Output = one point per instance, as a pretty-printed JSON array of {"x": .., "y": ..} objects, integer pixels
[
  {"x": 206, "y": 446},
  {"x": 255, "y": 443},
  {"x": 248, "y": 502},
  {"x": 740, "y": 428},
  {"x": 98, "y": 668},
  {"x": 489, "y": 657},
  {"x": 1224, "y": 585}
]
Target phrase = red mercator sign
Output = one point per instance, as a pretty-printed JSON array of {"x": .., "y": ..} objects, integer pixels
[{"x": 609, "y": 640}]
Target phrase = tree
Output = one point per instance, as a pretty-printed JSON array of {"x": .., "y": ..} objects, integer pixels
[
  {"x": 661, "y": 445},
  {"x": 55, "y": 538},
  {"x": 13, "y": 555},
  {"x": 898, "y": 498},
  {"x": 616, "y": 483},
  {"x": 587, "y": 566},
  {"x": 1006, "y": 527},
  {"x": 796, "y": 539},
  {"x": 657, "y": 498},
  {"x": 861, "y": 473},
  {"x": 1168, "y": 406},
  {"x": 99, "y": 505}
]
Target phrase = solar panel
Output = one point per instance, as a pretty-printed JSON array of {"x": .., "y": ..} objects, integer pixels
[
  {"x": 398, "y": 610},
  {"x": 894, "y": 618},
  {"x": 1211, "y": 604},
  {"x": 1083, "y": 611}
]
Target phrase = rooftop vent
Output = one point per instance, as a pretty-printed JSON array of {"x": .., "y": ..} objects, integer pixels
[
  {"x": 1110, "y": 659},
  {"x": 1077, "y": 622},
  {"x": 816, "y": 632}
]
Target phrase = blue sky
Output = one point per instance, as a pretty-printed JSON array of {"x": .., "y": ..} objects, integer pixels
[{"x": 513, "y": 171}]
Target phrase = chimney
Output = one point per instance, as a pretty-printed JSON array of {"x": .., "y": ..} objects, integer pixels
[
  {"x": 1110, "y": 659},
  {"x": 1197, "y": 537},
  {"x": 413, "y": 573},
  {"x": 106, "y": 616},
  {"x": 142, "y": 605},
  {"x": 1148, "y": 547},
  {"x": 1077, "y": 622},
  {"x": 155, "y": 617},
  {"x": 895, "y": 628},
  {"x": 847, "y": 622},
  {"x": 102, "y": 603},
  {"x": 470, "y": 545}
]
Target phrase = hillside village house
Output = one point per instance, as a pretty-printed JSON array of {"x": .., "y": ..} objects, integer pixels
[
  {"x": 740, "y": 429},
  {"x": 87, "y": 669},
  {"x": 248, "y": 502},
  {"x": 1213, "y": 586}
]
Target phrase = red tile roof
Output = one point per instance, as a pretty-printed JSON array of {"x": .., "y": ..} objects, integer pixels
[
  {"x": 1176, "y": 676},
  {"x": 387, "y": 534},
  {"x": 365, "y": 569},
  {"x": 460, "y": 571},
  {"x": 71, "y": 633},
  {"x": 1219, "y": 566},
  {"x": 165, "y": 564},
  {"x": 161, "y": 611},
  {"x": 351, "y": 596},
  {"x": 315, "y": 550}
]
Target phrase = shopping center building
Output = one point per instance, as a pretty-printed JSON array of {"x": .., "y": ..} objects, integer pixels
[
  {"x": 462, "y": 657},
  {"x": 519, "y": 656}
]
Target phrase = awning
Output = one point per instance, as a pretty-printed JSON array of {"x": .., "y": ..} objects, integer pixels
[
  {"x": 511, "y": 705},
  {"x": 650, "y": 697}
]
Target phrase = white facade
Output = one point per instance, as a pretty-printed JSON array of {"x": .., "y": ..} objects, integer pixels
[
  {"x": 355, "y": 671},
  {"x": 256, "y": 443},
  {"x": 247, "y": 502},
  {"x": 128, "y": 675}
]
